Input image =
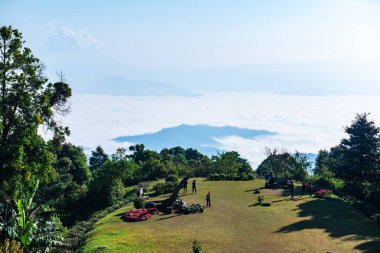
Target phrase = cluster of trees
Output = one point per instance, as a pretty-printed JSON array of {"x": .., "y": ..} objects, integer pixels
[
  {"x": 285, "y": 165},
  {"x": 353, "y": 166}
]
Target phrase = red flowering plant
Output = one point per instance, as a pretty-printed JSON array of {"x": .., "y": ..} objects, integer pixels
[
  {"x": 140, "y": 214},
  {"x": 322, "y": 193}
]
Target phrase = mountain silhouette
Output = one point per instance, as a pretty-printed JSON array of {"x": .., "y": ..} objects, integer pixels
[
  {"x": 200, "y": 137},
  {"x": 119, "y": 86}
]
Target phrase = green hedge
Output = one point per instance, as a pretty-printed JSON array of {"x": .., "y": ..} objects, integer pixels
[
  {"x": 231, "y": 177},
  {"x": 167, "y": 187}
]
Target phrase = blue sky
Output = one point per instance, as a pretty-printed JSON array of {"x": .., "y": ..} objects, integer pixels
[
  {"x": 288, "y": 67},
  {"x": 208, "y": 45}
]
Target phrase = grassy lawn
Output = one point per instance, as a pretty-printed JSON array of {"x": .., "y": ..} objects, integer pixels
[{"x": 235, "y": 224}]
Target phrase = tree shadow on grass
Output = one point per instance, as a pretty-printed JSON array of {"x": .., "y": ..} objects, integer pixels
[
  {"x": 255, "y": 189},
  {"x": 338, "y": 219},
  {"x": 297, "y": 198},
  {"x": 167, "y": 216},
  {"x": 184, "y": 194}
]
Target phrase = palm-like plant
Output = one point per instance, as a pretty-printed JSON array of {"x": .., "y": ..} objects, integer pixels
[{"x": 31, "y": 224}]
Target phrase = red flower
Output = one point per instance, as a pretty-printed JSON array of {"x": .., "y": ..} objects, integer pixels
[{"x": 140, "y": 214}]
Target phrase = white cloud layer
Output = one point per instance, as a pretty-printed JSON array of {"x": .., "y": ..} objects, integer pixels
[
  {"x": 66, "y": 37},
  {"x": 303, "y": 123}
]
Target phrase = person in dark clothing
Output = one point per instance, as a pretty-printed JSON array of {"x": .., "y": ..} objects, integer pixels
[
  {"x": 208, "y": 199},
  {"x": 194, "y": 186},
  {"x": 292, "y": 189},
  {"x": 311, "y": 190},
  {"x": 303, "y": 188},
  {"x": 185, "y": 185}
]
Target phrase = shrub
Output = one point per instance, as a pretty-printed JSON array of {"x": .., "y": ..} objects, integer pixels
[
  {"x": 197, "y": 248},
  {"x": 167, "y": 187},
  {"x": 251, "y": 176},
  {"x": 260, "y": 199},
  {"x": 244, "y": 176},
  {"x": 321, "y": 193},
  {"x": 150, "y": 205},
  {"x": 172, "y": 178},
  {"x": 223, "y": 176},
  {"x": 138, "y": 203},
  {"x": 216, "y": 177}
]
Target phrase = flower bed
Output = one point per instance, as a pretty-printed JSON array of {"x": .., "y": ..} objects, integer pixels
[
  {"x": 140, "y": 214},
  {"x": 321, "y": 193}
]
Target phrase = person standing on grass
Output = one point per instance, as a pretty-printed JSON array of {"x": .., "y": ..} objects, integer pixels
[
  {"x": 208, "y": 199},
  {"x": 292, "y": 189},
  {"x": 185, "y": 185},
  {"x": 194, "y": 186}
]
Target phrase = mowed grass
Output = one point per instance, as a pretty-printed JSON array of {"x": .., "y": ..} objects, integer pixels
[{"x": 235, "y": 223}]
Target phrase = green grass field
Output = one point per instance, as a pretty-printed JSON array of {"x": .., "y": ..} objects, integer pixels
[{"x": 235, "y": 223}]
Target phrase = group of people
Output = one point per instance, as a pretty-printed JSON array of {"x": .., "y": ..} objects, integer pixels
[
  {"x": 194, "y": 191},
  {"x": 193, "y": 185}
]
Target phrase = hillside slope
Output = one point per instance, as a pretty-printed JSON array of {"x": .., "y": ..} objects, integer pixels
[{"x": 235, "y": 224}]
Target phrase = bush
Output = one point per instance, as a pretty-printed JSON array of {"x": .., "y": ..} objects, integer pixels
[
  {"x": 322, "y": 193},
  {"x": 138, "y": 203},
  {"x": 251, "y": 176},
  {"x": 216, "y": 177},
  {"x": 197, "y": 248},
  {"x": 244, "y": 176},
  {"x": 236, "y": 177},
  {"x": 260, "y": 199},
  {"x": 150, "y": 205},
  {"x": 167, "y": 187},
  {"x": 172, "y": 178}
]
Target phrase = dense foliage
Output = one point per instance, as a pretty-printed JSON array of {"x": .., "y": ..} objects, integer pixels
[
  {"x": 352, "y": 167},
  {"x": 284, "y": 165},
  {"x": 27, "y": 102}
]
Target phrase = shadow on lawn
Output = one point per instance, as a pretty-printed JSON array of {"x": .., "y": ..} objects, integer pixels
[
  {"x": 296, "y": 198},
  {"x": 168, "y": 216},
  {"x": 256, "y": 189},
  {"x": 338, "y": 220}
]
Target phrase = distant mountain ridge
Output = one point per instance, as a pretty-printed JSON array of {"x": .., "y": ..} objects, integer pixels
[
  {"x": 200, "y": 137},
  {"x": 118, "y": 86}
]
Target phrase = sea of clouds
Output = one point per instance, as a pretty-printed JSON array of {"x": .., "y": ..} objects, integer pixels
[{"x": 303, "y": 123}]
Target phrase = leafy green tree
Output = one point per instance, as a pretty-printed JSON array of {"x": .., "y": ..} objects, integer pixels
[
  {"x": 138, "y": 154},
  {"x": 322, "y": 161},
  {"x": 98, "y": 158},
  {"x": 360, "y": 150},
  {"x": 300, "y": 166},
  {"x": 285, "y": 165},
  {"x": 73, "y": 160},
  {"x": 230, "y": 163},
  {"x": 153, "y": 168},
  {"x": 71, "y": 181},
  {"x": 27, "y": 102},
  {"x": 109, "y": 180}
]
